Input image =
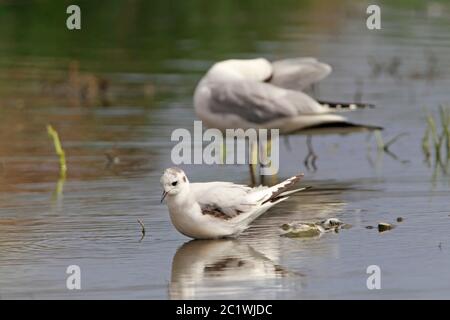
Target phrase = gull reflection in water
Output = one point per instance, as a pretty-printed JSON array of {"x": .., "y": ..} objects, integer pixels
[{"x": 224, "y": 268}]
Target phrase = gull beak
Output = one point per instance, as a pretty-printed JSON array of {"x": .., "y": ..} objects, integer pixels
[{"x": 163, "y": 195}]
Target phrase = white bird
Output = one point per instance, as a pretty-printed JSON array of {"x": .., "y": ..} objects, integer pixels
[
  {"x": 214, "y": 210},
  {"x": 256, "y": 93}
]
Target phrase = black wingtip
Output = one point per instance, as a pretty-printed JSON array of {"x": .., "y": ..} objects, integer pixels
[
  {"x": 285, "y": 188},
  {"x": 346, "y": 105}
]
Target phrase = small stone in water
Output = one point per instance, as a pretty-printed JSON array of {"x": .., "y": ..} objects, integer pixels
[
  {"x": 399, "y": 219},
  {"x": 369, "y": 227},
  {"x": 383, "y": 226}
]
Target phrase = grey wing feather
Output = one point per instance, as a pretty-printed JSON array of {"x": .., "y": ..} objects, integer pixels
[
  {"x": 298, "y": 73},
  {"x": 259, "y": 102},
  {"x": 222, "y": 199}
]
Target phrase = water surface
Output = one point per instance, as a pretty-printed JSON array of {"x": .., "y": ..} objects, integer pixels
[{"x": 117, "y": 89}]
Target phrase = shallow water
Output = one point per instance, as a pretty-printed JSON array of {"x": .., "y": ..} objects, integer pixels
[{"x": 151, "y": 63}]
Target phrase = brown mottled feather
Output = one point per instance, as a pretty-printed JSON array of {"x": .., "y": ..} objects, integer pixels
[{"x": 215, "y": 211}]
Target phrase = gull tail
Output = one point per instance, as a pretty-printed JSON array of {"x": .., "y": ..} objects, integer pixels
[
  {"x": 283, "y": 189},
  {"x": 345, "y": 106}
]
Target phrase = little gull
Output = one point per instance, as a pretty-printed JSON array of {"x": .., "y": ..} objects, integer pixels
[
  {"x": 214, "y": 210},
  {"x": 256, "y": 93}
]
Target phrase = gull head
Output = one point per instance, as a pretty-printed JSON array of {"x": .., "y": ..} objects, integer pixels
[{"x": 173, "y": 181}]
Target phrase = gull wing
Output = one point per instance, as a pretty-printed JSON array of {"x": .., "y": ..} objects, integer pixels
[
  {"x": 298, "y": 73},
  {"x": 259, "y": 102},
  {"x": 223, "y": 200}
]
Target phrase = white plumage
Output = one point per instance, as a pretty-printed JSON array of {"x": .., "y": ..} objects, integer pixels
[
  {"x": 256, "y": 93},
  {"x": 218, "y": 209}
]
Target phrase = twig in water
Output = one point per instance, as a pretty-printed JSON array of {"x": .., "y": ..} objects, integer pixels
[
  {"x": 385, "y": 146},
  {"x": 143, "y": 228},
  {"x": 390, "y": 142}
]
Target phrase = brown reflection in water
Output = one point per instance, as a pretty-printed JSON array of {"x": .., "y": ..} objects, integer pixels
[
  {"x": 97, "y": 145},
  {"x": 63, "y": 82}
]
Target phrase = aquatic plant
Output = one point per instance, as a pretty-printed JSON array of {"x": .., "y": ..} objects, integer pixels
[
  {"x": 437, "y": 136},
  {"x": 445, "y": 122},
  {"x": 59, "y": 150},
  {"x": 426, "y": 144}
]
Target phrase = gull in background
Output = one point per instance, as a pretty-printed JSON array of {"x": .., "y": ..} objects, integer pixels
[
  {"x": 256, "y": 93},
  {"x": 213, "y": 210}
]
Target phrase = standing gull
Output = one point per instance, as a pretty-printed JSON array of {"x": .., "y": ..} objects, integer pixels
[
  {"x": 258, "y": 94},
  {"x": 214, "y": 210}
]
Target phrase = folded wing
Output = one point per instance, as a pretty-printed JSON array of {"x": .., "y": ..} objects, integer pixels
[
  {"x": 222, "y": 199},
  {"x": 259, "y": 102}
]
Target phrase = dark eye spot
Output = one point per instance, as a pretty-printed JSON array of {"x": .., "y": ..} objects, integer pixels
[{"x": 174, "y": 183}]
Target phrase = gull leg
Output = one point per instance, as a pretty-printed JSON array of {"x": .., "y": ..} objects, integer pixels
[
  {"x": 253, "y": 161},
  {"x": 265, "y": 152},
  {"x": 311, "y": 157},
  {"x": 223, "y": 153},
  {"x": 273, "y": 175},
  {"x": 287, "y": 143}
]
